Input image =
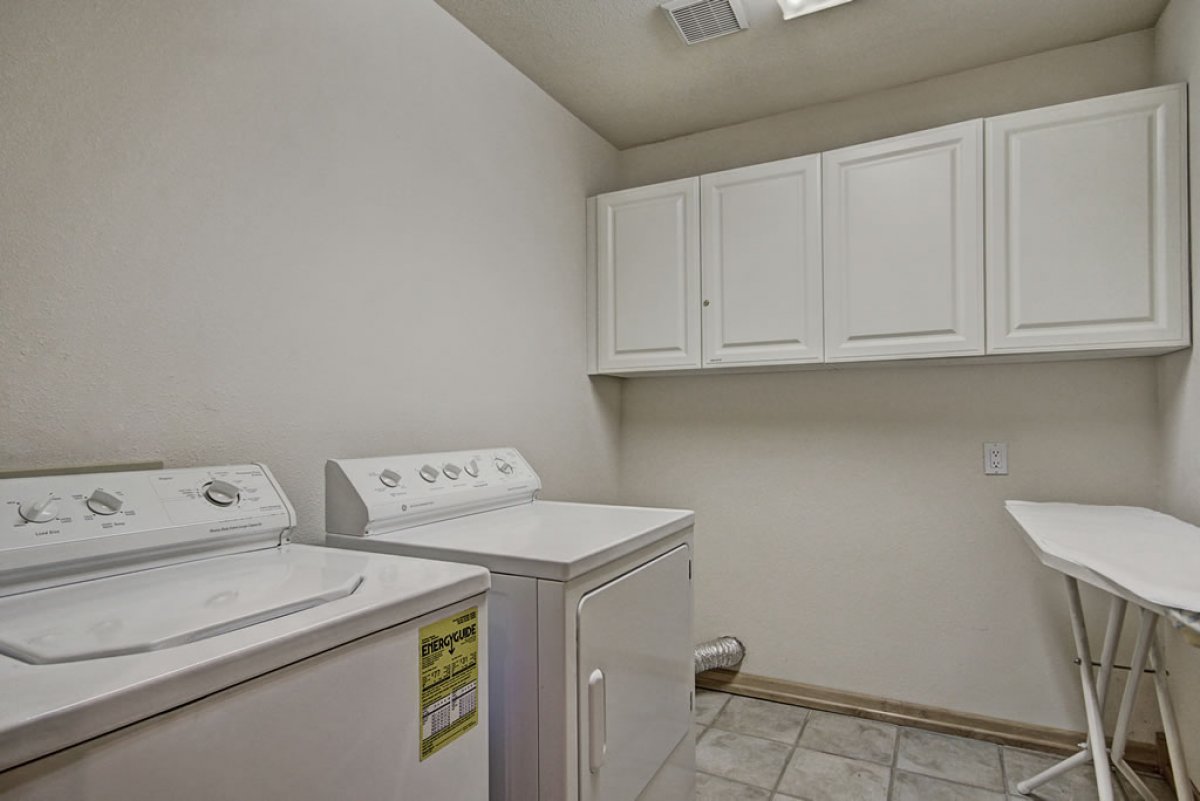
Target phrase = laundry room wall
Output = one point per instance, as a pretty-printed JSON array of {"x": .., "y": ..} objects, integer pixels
[
  {"x": 1178, "y": 59},
  {"x": 845, "y": 529},
  {"x": 285, "y": 230}
]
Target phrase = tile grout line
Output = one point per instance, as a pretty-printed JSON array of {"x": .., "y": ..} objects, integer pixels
[
  {"x": 774, "y": 790},
  {"x": 738, "y": 782},
  {"x": 791, "y": 754},
  {"x": 1003, "y": 772},
  {"x": 1003, "y": 791},
  {"x": 891, "y": 789}
]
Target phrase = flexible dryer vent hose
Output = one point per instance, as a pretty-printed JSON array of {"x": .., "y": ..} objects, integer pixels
[{"x": 723, "y": 652}]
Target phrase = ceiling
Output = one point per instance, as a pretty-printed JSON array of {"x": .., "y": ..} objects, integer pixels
[{"x": 622, "y": 69}]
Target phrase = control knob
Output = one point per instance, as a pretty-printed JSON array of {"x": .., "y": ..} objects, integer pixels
[
  {"x": 221, "y": 493},
  {"x": 390, "y": 478},
  {"x": 429, "y": 473},
  {"x": 451, "y": 470},
  {"x": 40, "y": 511},
  {"x": 104, "y": 503},
  {"x": 503, "y": 466},
  {"x": 472, "y": 468}
]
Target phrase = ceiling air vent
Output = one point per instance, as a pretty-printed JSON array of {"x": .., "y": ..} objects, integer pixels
[{"x": 701, "y": 20}]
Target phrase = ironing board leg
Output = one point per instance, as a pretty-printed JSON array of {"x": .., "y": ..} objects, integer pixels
[
  {"x": 1112, "y": 635},
  {"x": 1091, "y": 703},
  {"x": 1183, "y": 785},
  {"x": 1054, "y": 771},
  {"x": 1141, "y": 649}
]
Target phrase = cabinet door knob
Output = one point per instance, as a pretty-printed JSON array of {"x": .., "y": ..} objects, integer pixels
[{"x": 706, "y": 303}]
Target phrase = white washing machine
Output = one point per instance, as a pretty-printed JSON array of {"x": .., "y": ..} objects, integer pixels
[
  {"x": 591, "y": 617},
  {"x": 161, "y": 639}
]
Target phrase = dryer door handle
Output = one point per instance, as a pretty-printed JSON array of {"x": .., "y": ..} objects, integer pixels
[{"x": 597, "y": 721}]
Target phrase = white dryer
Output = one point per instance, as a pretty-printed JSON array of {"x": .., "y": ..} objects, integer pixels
[
  {"x": 161, "y": 639},
  {"x": 591, "y": 617}
]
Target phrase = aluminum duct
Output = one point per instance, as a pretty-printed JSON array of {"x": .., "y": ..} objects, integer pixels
[{"x": 723, "y": 652}]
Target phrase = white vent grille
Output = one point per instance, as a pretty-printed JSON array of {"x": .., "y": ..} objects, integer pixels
[{"x": 701, "y": 20}]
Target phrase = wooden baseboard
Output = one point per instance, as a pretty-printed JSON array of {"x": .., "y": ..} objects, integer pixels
[{"x": 1142, "y": 756}]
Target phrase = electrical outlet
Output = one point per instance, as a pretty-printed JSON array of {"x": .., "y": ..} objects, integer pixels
[{"x": 995, "y": 459}]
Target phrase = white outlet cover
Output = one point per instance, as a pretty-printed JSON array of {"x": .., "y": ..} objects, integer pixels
[{"x": 995, "y": 459}]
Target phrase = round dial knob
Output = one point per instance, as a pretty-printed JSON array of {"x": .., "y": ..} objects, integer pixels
[
  {"x": 472, "y": 468},
  {"x": 42, "y": 510},
  {"x": 503, "y": 466},
  {"x": 104, "y": 503},
  {"x": 429, "y": 473},
  {"x": 390, "y": 478},
  {"x": 222, "y": 493},
  {"x": 451, "y": 470}
]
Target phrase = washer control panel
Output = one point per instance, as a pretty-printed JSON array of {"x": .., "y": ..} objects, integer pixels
[
  {"x": 386, "y": 493},
  {"x": 98, "y": 518}
]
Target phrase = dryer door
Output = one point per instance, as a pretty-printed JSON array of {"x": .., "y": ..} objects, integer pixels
[{"x": 635, "y": 676}]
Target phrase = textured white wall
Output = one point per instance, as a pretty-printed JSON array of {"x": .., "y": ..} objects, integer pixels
[
  {"x": 1178, "y": 59},
  {"x": 846, "y": 532},
  {"x": 285, "y": 230},
  {"x": 844, "y": 527}
]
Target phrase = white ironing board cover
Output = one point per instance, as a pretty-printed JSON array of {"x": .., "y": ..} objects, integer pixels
[{"x": 1149, "y": 555}]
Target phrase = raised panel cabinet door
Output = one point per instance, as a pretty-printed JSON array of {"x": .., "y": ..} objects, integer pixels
[
  {"x": 761, "y": 246},
  {"x": 1085, "y": 221},
  {"x": 648, "y": 277},
  {"x": 904, "y": 246}
]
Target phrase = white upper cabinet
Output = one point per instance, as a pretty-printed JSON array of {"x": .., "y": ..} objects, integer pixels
[
  {"x": 647, "y": 277},
  {"x": 878, "y": 251},
  {"x": 761, "y": 245},
  {"x": 1086, "y": 231},
  {"x": 904, "y": 246}
]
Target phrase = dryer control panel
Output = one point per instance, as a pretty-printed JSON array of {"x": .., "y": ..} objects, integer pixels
[
  {"x": 388, "y": 493},
  {"x": 93, "y": 524}
]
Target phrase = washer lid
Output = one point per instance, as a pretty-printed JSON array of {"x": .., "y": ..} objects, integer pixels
[
  {"x": 164, "y": 607},
  {"x": 543, "y": 539},
  {"x": 197, "y": 649}
]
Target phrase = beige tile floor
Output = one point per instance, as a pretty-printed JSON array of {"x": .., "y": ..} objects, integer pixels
[{"x": 751, "y": 750}]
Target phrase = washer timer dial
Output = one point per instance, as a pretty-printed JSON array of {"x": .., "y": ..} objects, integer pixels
[
  {"x": 222, "y": 493},
  {"x": 40, "y": 511},
  {"x": 104, "y": 503}
]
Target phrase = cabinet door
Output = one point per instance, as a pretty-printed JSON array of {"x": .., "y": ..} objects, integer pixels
[
  {"x": 761, "y": 241},
  {"x": 647, "y": 254},
  {"x": 904, "y": 246},
  {"x": 1085, "y": 224}
]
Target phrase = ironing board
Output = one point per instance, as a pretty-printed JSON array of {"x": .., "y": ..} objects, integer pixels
[{"x": 1137, "y": 556}]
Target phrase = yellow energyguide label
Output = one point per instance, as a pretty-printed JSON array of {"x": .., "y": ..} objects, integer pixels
[{"x": 449, "y": 679}]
